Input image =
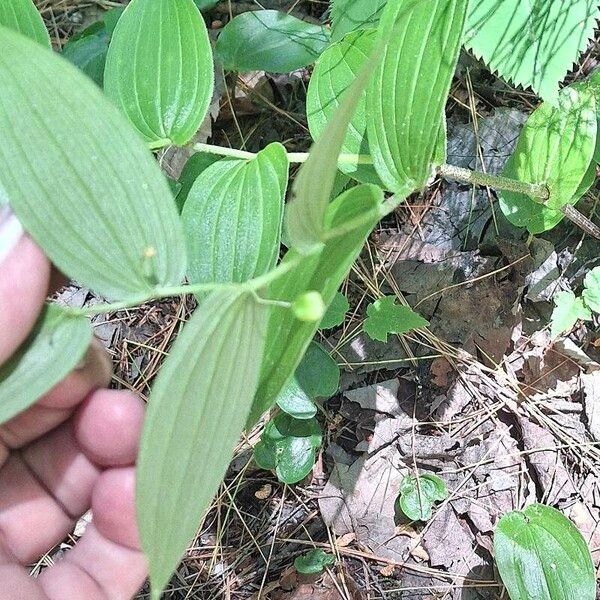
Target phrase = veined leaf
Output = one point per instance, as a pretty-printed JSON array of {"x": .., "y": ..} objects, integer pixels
[
  {"x": 270, "y": 40},
  {"x": 384, "y": 316},
  {"x": 79, "y": 179},
  {"x": 542, "y": 556},
  {"x": 196, "y": 413},
  {"x": 196, "y": 164},
  {"x": 408, "y": 95},
  {"x": 54, "y": 348},
  {"x": 23, "y": 16},
  {"x": 323, "y": 271},
  {"x": 232, "y": 217},
  {"x": 534, "y": 43},
  {"x": 567, "y": 311},
  {"x": 159, "y": 69},
  {"x": 352, "y": 15},
  {"x": 305, "y": 214},
  {"x": 555, "y": 148},
  {"x": 334, "y": 73},
  {"x": 591, "y": 292}
]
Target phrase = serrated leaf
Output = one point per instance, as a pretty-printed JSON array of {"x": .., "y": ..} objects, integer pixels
[
  {"x": 418, "y": 495},
  {"x": 232, "y": 217},
  {"x": 79, "y": 179},
  {"x": 324, "y": 271},
  {"x": 159, "y": 69},
  {"x": 305, "y": 213},
  {"x": 194, "y": 167},
  {"x": 352, "y": 15},
  {"x": 313, "y": 562},
  {"x": 555, "y": 148},
  {"x": 567, "y": 311},
  {"x": 384, "y": 316},
  {"x": 336, "y": 312},
  {"x": 270, "y": 40},
  {"x": 23, "y": 16},
  {"x": 407, "y": 98},
  {"x": 334, "y": 73},
  {"x": 591, "y": 291},
  {"x": 533, "y": 44},
  {"x": 542, "y": 556},
  {"x": 54, "y": 348},
  {"x": 196, "y": 413},
  {"x": 290, "y": 445}
]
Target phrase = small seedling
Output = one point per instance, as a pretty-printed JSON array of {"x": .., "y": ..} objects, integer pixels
[
  {"x": 313, "y": 563},
  {"x": 419, "y": 494}
]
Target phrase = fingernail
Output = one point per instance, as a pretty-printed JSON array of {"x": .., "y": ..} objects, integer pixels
[{"x": 11, "y": 231}]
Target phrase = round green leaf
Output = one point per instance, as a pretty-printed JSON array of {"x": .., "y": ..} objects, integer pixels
[
  {"x": 294, "y": 401},
  {"x": 313, "y": 562},
  {"x": 79, "y": 179},
  {"x": 336, "y": 312},
  {"x": 159, "y": 69},
  {"x": 542, "y": 556},
  {"x": 269, "y": 40},
  {"x": 417, "y": 496},
  {"x": 232, "y": 217},
  {"x": 334, "y": 72},
  {"x": 23, "y": 16},
  {"x": 318, "y": 374}
]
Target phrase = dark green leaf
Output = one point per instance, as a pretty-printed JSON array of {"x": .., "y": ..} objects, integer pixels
[
  {"x": 23, "y": 16},
  {"x": 318, "y": 374},
  {"x": 313, "y": 562},
  {"x": 294, "y": 401},
  {"x": 352, "y": 15},
  {"x": 232, "y": 217},
  {"x": 567, "y": 311},
  {"x": 334, "y": 73},
  {"x": 384, "y": 316},
  {"x": 80, "y": 180},
  {"x": 111, "y": 18},
  {"x": 88, "y": 53},
  {"x": 159, "y": 69},
  {"x": 336, "y": 313},
  {"x": 55, "y": 347},
  {"x": 206, "y": 4},
  {"x": 269, "y": 40},
  {"x": 196, "y": 413},
  {"x": 408, "y": 95},
  {"x": 542, "y": 556},
  {"x": 196, "y": 164},
  {"x": 324, "y": 271},
  {"x": 591, "y": 292}
]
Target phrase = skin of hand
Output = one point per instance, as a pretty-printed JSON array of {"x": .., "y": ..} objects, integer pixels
[{"x": 74, "y": 450}]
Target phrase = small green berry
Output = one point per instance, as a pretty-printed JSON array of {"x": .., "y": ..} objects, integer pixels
[{"x": 309, "y": 307}]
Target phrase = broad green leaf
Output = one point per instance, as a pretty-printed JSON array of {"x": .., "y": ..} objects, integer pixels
[
  {"x": 334, "y": 73},
  {"x": 591, "y": 291},
  {"x": 407, "y": 98},
  {"x": 23, "y": 16},
  {"x": 542, "y": 556},
  {"x": 567, "y": 311},
  {"x": 534, "y": 43},
  {"x": 159, "y": 69},
  {"x": 418, "y": 495},
  {"x": 288, "y": 338},
  {"x": 555, "y": 148},
  {"x": 54, "y": 348},
  {"x": 294, "y": 401},
  {"x": 269, "y": 40},
  {"x": 352, "y": 15},
  {"x": 194, "y": 167},
  {"x": 384, "y": 316},
  {"x": 305, "y": 214},
  {"x": 313, "y": 562},
  {"x": 232, "y": 217},
  {"x": 196, "y": 413},
  {"x": 80, "y": 180},
  {"x": 336, "y": 312},
  {"x": 111, "y": 18},
  {"x": 288, "y": 446}
]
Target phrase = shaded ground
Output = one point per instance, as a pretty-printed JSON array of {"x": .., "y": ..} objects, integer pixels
[{"x": 482, "y": 398}]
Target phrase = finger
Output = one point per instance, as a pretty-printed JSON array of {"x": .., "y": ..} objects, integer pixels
[
  {"x": 51, "y": 482},
  {"x": 57, "y": 405},
  {"x": 24, "y": 277}
]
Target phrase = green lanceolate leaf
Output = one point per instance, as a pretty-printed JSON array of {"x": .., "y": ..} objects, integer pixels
[
  {"x": 591, "y": 291},
  {"x": 336, "y": 313},
  {"x": 79, "y": 179},
  {"x": 567, "y": 311},
  {"x": 159, "y": 69},
  {"x": 269, "y": 40},
  {"x": 334, "y": 73},
  {"x": 408, "y": 95},
  {"x": 232, "y": 217},
  {"x": 313, "y": 562},
  {"x": 352, "y": 15},
  {"x": 55, "y": 347},
  {"x": 194, "y": 167},
  {"x": 196, "y": 413},
  {"x": 305, "y": 214},
  {"x": 23, "y": 16},
  {"x": 324, "y": 271},
  {"x": 542, "y": 556},
  {"x": 555, "y": 148},
  {"x": 418, "y": 495},
  {"x": 384, "y": 316},
  {"x": 533, "y": 44}
]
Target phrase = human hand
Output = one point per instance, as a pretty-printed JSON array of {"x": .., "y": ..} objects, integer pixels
[{"x": 73, "y": 450}]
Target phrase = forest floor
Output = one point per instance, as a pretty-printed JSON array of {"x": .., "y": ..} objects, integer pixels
[{"x": 481, "y": 397}]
